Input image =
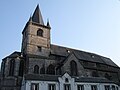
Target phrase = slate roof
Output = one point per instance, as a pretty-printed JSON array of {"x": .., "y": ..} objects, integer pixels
[
  {"x": 41, "y": 77},
  {"x": 13, "y": 55},
  {"x": 81, "y": 55},
  {"x": 38, "y": 77}
]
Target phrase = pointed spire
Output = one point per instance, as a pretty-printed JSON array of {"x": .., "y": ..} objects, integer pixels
[
  {"x": 37, "y": 16},
  {"x": 30, "y": 19},
  {"x": 48, "y": 24}
]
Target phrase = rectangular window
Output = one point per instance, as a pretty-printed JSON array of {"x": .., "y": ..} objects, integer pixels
[
  {"x": 51, "y": 87},
  {"x": 35, "y": 86},
  {"x": 80, "y": 87},
  {"x": 39, "y": 48},
  {"x": 116, "y": 88},
  {"x": 113, "y": 87},
  {"x": 93, "y": 87},
  {"x": 107, "y": 87},
  {"x": 67, "y": 87}
]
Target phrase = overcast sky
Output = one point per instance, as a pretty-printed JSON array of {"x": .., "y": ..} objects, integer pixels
[{"x": 88, "y": 25}]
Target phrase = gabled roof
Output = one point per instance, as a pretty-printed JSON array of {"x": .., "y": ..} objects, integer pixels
[
  {"x": 13, "y": 55},
  {"x": 81, "y": 55},
  {"x": 37, "y": 16}
]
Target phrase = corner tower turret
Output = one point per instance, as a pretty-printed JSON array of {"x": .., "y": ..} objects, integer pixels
[{"x": 36, "y": 35}]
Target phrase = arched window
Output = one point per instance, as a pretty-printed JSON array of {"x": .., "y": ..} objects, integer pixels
[
  {"x": 21, "y": 68},
  {"x": 40, "y": 32},
  {"x": 36, "y": 69},
  {"x": 12, "y": 65},
  {"x": 42, "y": 70},
  {"x": 95, "y": 74},
  {"x": 51, "y": 69},
  {"x": 73, "y": 67}
]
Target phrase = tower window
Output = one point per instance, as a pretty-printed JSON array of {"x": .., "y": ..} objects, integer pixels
[
  {"x": 40, "y": 32},
  {"x": 39, "y": 48},
  {"x": 107, "y": 87}
]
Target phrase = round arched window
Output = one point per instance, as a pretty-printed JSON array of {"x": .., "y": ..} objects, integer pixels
[{"x": 40, "y": 32}]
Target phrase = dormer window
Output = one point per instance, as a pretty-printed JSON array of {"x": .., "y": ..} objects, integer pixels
[
  {"x": 67, "y": 87},
  {"x": 40, "y": 32},
  {"x": 66, "y": 80}
]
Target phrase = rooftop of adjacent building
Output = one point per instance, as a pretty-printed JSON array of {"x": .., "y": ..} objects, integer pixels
[{"x": 46, "y": 77}]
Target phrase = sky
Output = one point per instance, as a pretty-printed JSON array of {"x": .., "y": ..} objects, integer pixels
[{"x": 88, "y": 25}]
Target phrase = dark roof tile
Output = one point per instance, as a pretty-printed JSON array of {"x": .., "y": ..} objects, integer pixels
[
  {"x": 38, "y": 77},
  {"x": 82, "y": 55}
]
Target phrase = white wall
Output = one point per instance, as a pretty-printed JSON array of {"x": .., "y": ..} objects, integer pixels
[{"x": 43, "y": 85}]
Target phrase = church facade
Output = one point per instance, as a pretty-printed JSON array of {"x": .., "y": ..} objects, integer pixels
[{"x": 44, "y": 66}]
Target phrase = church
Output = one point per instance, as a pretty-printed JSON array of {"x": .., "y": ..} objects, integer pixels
[{"x": 41, "y": 65}]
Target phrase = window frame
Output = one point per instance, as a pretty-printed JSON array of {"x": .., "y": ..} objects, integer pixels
[
  {"x": 33, "y": 86},
  {"x": 36, "y": 69},
  {"x": 117, "y": 88},
  {"x": 80, "y": 87},
  {"x": 39, "y": 48},
  {"x": 107, "y": 87},
  {"x": 94, "y": 87},
  {"x": 67, "y": 87},
  {"x": 113, "y": 87},
  {"x": 40, "y": 32},
  {"x": 51, "y": 86}
]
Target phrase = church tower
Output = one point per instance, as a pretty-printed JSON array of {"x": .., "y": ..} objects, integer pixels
[{"x": 36, "y": 35}]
